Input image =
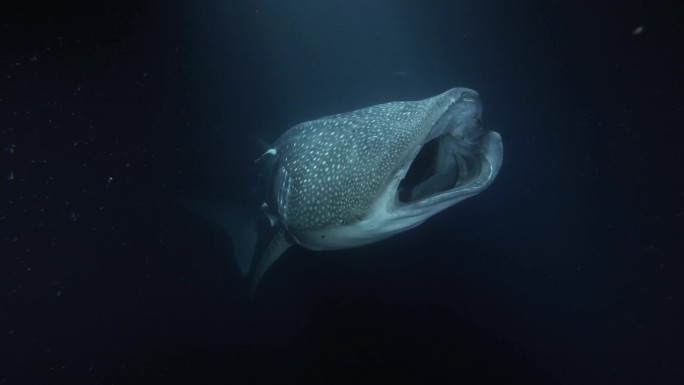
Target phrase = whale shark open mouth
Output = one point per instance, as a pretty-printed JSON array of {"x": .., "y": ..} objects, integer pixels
[{"x": 442, "y": 164}]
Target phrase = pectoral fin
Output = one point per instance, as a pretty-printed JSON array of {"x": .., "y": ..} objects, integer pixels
[{"x": 273, "y": 251}]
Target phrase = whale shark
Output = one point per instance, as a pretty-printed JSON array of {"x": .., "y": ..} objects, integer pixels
[{"x": 355, "y": 178}]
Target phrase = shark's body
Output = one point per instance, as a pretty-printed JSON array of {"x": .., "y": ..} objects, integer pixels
[{"x": 341, "y": 181}]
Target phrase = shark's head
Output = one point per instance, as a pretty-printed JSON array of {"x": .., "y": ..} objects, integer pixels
[{"x": 355, "y": 178}]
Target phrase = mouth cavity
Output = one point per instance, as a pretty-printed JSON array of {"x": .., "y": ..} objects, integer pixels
[{"x": 443, "y": 164}]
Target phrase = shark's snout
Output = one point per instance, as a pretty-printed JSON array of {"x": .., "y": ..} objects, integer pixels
[
  {"x": 465, "y": 118},
  {"x": 471, "y": 96},
  {"x": 460, "y": 119}
]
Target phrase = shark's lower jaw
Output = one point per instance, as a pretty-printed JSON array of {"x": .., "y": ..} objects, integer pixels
[{"x": 445, "y": 172}]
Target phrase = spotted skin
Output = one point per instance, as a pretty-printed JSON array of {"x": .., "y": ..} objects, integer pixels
[{"x": 324, "y": 177}]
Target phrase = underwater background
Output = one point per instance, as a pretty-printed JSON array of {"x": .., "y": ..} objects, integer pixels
[{"x": 567, "y": 270}]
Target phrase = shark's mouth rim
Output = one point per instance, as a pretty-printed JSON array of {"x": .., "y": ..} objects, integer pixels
[
  {"x": 463, "y": 158},
  {"x": 426, "y": 179}
]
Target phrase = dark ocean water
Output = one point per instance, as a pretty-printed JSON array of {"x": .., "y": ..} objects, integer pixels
[{"x": 567, "y": 270}]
